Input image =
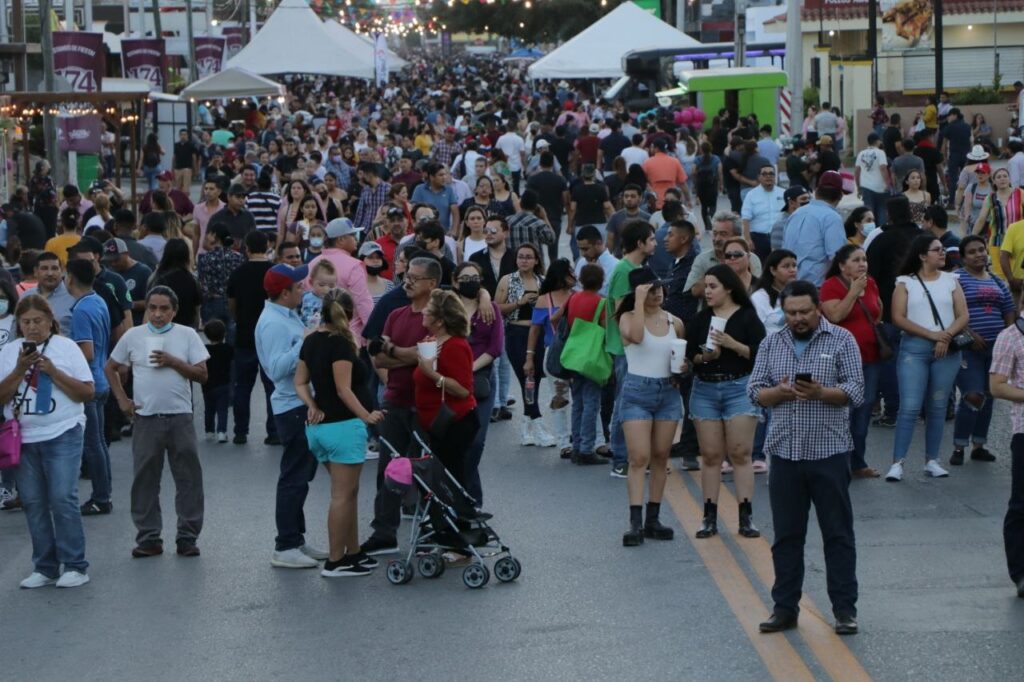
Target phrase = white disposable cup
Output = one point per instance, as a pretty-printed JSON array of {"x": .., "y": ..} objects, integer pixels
[
  {"x": 716, "y": 323},
  {"x": 153, "y": 344},
  {"x": 678, "y": 348},
  {"x": 427, "y": 349}
]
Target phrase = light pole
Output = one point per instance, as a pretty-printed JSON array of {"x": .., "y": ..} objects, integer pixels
[{"x": 795, "y": 63}]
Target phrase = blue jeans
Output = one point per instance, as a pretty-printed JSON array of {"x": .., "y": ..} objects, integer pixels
[
  {"x": 972, "y": 422},
  {"x": 860, "y": 417},
  {"x": 925, "y": 381},
  {"x": 150, "y": 173},
  {"x": 217, "y": 399},
  {"x": 48, "y": 485},
  {"x": 586, "y": 404},
  {"x": 618, "y": 437},
  {"x": 244, "y": 370},
  {"x": 471, "y": 462},
  {"x": 876, "y": 202},
  {"x": 94, "y": 449},
  {"x": 504, "y": 379},
  {"x": 298, "y": 467},
  {"x": 888, "y": 386}
]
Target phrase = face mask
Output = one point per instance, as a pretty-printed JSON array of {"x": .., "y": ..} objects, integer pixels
[
  {"x": 316, "y": 242},
  {"x": 160, "y": 330},
  {"x": 375, "y": 269},
  {"x": 5, "y": 305},
  {"x": 336, "y": 159},
  {"x": 867, "y": 228},
  {"x": 469, "y": 289}
]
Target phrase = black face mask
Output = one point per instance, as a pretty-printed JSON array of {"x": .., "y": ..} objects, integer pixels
[
  {"x": 375, "y": 269},
  {"x": 469, "y": 289}
]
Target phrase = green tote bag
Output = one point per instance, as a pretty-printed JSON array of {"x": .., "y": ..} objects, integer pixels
[{"x": 584, "y": 349}]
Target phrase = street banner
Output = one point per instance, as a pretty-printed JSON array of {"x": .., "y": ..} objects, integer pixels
[
  {"x": 380, "y": 59},
  {"x": 209, "y": 56},
  {"x": 143, "y": 58},
  {"x": 906, "y": 25},
  {"x": 79, "y": 134},
  {"x": 78, "y": 57},
  {"x": 234, "y": 36}
]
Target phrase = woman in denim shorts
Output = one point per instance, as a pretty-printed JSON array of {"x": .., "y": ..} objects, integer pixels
[
  {"x": 725, "y": 418},
  {"x": 651, "y": 405}
]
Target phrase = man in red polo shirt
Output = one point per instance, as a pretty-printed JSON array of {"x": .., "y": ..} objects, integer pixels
[
  {"x": 396, "y": 226},
  {"x": 182, "y": 204}
]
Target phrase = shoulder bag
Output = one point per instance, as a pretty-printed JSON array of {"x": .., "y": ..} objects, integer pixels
[
  {"x": 885, "y": 351},
  {"x": 553, "y": 355},
  {"x": 10, "y": 434},
  {"x": 438, "y": 428},
  {"x": 584, "y": 351},
  {"x": 964, "y": 339}
]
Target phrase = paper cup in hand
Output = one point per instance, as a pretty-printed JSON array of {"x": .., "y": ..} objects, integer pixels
[
  {"x": 153, "y": 345},
  {"x": 678, "y": 348},
  {"x": 716, "y": 323},
  {"x": 427, "y": 349}
]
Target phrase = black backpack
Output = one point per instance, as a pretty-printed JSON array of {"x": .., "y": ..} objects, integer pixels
[{"x": 707, "y": 178}]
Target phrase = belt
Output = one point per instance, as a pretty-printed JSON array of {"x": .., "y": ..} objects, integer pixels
[{"x": 719, "y": 377}]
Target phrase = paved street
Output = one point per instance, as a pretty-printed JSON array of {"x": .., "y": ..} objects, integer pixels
[{"x": 935, "y": 599}]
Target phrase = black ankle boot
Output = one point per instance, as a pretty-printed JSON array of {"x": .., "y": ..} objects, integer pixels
[
  {"x": 747, "y": 528},
  {"x": 634, "y": 536},
  {"x": 710, "y": 525},
  {"x": 653, "y": 528}
]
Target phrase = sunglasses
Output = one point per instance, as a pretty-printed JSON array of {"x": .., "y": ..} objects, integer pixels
[
  {"x": 734, "y": 255},
  {"x": 491, "y": 230}
]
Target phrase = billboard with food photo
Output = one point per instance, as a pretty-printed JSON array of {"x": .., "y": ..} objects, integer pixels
[{"x": 907, "y": 25}]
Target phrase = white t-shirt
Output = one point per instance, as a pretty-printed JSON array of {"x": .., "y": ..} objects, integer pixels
[
  {"x": 634, "y": 155},
  {"x": 773, "y": 319},
  {"x": 40, "y": 423},
  {"x": 160, "y": 390},
  {"x": 7, "y": 328},
  {"x": 870, "y": 162},
  {"x": 919, "y": 311},
  {"x": 512, "y": 145}
]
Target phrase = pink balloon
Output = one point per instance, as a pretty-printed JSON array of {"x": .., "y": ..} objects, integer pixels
[
  {"x": 687, "y": 117},
  {"x": 678, "y": 117},
  {"x": 700, "y": 116}
]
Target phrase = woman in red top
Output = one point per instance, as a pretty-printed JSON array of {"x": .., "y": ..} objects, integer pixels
[
  {"x": 450, "y": 382},
  {"x": 850, "y": 299}
]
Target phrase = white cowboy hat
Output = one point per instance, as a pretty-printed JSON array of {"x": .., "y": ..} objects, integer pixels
[{"x": 978, "y": 153}]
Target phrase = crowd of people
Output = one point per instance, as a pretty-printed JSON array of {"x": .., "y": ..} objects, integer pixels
[{"x": 386, "y": 260}]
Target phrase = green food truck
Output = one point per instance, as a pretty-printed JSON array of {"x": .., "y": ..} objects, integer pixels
[{"x": 746, "y": 90}]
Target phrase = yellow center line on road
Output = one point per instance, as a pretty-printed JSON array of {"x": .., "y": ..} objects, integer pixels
[
  {"x": 828, "y": 647},
  {"x": 779, "y": 656}
]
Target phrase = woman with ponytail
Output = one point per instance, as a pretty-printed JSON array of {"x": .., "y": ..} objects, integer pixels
[{"x": 336, "y": 425}]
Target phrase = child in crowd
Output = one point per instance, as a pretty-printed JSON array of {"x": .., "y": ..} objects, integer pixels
[
  {"x": 27, "y": 266},
  {"x": 217, "y": 389},
  {"x": 315, "y": 247},
  {"x": 322, "y": 279},
  {"x": 586, "y": 394}
]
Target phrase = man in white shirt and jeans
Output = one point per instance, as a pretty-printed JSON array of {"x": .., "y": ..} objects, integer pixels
[
  {"x": 871, "y": 173},
  {"x": 165, "y": 358},
  {"x": 515, "y": 151},
  {"x": 762, "y": 208}
]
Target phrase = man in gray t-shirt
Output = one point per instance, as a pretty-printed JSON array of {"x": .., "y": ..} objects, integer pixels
[
  {"x": 904, "y": 163},
  {"x": 631, "y": 195},
  {"x": 826, "y": 123}
]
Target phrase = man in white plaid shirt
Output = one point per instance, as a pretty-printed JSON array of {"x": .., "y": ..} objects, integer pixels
[{"x": 809, "y": 375}]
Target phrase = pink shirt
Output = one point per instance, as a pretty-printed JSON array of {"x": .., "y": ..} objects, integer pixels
[
  {"x": 202, "y": 216},
  {"x": 351, "y": 276}
]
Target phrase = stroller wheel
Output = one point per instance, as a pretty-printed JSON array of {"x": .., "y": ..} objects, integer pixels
[
  {"x": 399, "y": 572},
  {"x": 430, "y": 566},
  {"x": 507, "y": 569},
  {"x": 475, "y": 576}
]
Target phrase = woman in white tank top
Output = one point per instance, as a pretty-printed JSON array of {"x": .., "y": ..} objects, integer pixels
[{"x": 650, "y": 403}]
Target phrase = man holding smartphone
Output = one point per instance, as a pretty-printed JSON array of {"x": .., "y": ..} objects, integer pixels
[{"x": 809, "y": 375}]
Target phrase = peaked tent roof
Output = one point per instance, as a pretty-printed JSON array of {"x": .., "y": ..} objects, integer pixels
[
  {"x": 361, "y": 46},
  {"x": 293, "y": 23},
  {"x": 597, "y": 51},
  {"x": 233, "y": 82}
]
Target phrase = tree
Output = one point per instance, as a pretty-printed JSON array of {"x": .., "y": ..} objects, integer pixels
[{"x": 544, "y": 21}]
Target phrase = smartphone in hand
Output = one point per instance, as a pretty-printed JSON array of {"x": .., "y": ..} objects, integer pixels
[{"x": 804, "y": 376}]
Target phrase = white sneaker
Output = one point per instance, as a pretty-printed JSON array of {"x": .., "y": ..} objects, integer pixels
[
  {"x": 222, "y": 437},
  {"x": 293, "y": 558},
  {"x": 542, "y": 435},
  {"x": 36, "y": 580},
  {"x": 933, "y": 469},
  {"x": 895, "y": 472},
  {"x": 314, "y": 553},
  {"x": 526, "y": 436},
  {"x": 372, "y": 454},
  {"x": 211, "y": 436},
  {"x": 72, "y": 579},
  {"x": 7, "y": 495}
]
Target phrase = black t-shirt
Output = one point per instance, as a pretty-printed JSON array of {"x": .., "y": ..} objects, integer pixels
[
  {"x": 184, "y": 154},
  {"x": 218, "y": 367},
  {"x": 743, "y": 325},
  {"x": 135, "y": 279},
  {"x": 829, "y": 160},
  {"x": 28, "y": 228},
  {"x": 245, "y": 285},
  {"x": 320, "y": 351},
  {"x": 287, "y": 164},
  {"x": 612, "y": 146},
  {"x": 549, "y": 187},
  {"x": 561, "y": 147},
  {"x": 590, "y": 200},
  {"x": 890, "y": 136},
  {"x": 795, "y": 169},
  {"x": 190, "y": 296}
]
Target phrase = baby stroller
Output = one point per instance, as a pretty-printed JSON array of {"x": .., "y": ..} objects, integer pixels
[{"x": 446, "y": 519}]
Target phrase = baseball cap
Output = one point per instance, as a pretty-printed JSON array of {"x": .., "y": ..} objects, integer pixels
[
  {"x": 795, "y": 192},
  {"x": 983, "y": 168},
  {"x": 112, "y": 248},
  {"x": 166, "y": 176},
  {"x": 340, "y": 227},
  {"x": 594, "y": 128},
  {"x": 281, "y": 277},
  {"x": 450, "y": 130},
  {"x": 543, "y": 144},
  {"x": 237, "y": 190},
  {"x": 367, "y": 248},
  {"x": 97, "y": 185},
  {"x": 830, "y": 180}
]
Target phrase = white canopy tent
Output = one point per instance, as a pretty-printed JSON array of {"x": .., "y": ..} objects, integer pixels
[
  {"x": 361, "y": 45},
  {"x": 597, "y": 51},
  {"x": 294, "y": 40},
  {"x": 232, "y": 82}
]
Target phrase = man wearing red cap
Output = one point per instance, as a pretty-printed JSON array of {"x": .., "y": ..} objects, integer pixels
[{"x": 182, "y": 204}]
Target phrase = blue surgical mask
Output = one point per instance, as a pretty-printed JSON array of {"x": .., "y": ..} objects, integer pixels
[
  {"x": 160, "y": 330},
  {"x": 867, "y": 228},
  {"x": 5, "y": 306},
  {"x": 316, "y": 242}
]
